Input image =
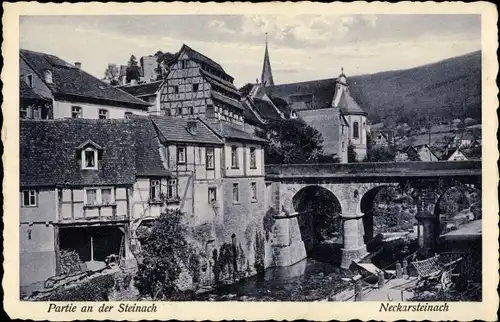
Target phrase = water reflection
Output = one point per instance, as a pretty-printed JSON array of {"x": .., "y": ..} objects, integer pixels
[{"x": 307, "y": 280}]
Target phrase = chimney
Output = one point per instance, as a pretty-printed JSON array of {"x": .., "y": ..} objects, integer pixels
[
  {"x": 47, "y": 75},
  {"x": 191, "y": 127},
  {"x": 124, "y": 80},
  {"x": 133, "y": 82},
  {"x": 78, "y": 65}
]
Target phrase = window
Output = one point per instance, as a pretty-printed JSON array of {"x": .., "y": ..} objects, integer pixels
[
  {"x": 107, "y": 197},
  {"x": 127, "y": 114},
  {"x": 76, "y": 112},
  {"x": 176, "y": 89},
  {"x": 343, "y": 146},
  {"x": 234, "y": 157},
  {"x": 179, "y": 111},
  {"x": 96, "y": 197},
  {"x": 29, "y": 198},
  {"x": 181, "y": 154},
  {"x": 168, "y": 112},
  {"x": 91, "y": 195},
  {"x": 355, "y": 130},
  {"x": 29, "y": 80},
  {"x": 195, "y": 87},
  {"x": 190, "y": 110},
  {"x": 253, "y": 159},
  {"x": 24, "y": 112},
  {"x": 103, "y": 114},
  {"x": 155, "y": 190},
  {"x": 184, "y": 63},
  {"x": 253, "y": 185},
  {"x": 89, "y": 159},
  {"x": 212, "y": 194},
  {"x": 210, "y": 164},
  {"x": 236, "y": 193},
  {"x": 172, "y": 189}
]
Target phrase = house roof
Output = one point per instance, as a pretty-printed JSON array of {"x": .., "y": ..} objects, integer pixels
[
  {"x": 27, "y": 93},
  {"x": 198, "y": 57},
  {"x": 266, "y": 109},
  {"x": 141, "y": 90},
  {"x": 50, "y": 152},
  {"x": 70, "y": 81},
  {"x": 225, "y": 99},
  {"x": 249, "y": 115},
  {"x": 230, "y": 131},
  {"x": 176, "y": 130},
  {"x": 321, "y": 90}
]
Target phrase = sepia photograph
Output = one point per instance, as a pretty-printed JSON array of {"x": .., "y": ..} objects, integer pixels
[{"x": 241, "y": 157}]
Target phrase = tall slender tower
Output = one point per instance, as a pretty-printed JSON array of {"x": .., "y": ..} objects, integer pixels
[{"x": 267, "y": 75}]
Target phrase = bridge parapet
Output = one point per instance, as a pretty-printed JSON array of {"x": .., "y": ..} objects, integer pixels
[{"x": 374, "y": 169}]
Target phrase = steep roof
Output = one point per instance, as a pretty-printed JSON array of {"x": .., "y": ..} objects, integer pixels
[
  {"x": 176, "y": 130},
  {"x": 50, "y": 156},
  {"x": 267, "y": 74},
  {"x": 249, "y": 115},
  {"x": 266, "y": 109},
  {"x": 198, "y": 57},
  {"x": 321, "y": 90},
  {"x": 70, "y": 81},
  {"x": 141, "y": 90},
  {"x": 27, "y": 93}
]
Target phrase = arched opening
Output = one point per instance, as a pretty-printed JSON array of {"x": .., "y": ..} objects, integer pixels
[
  {"x": 355, "y": 130},
  {"x": 389, "y": 224},
  {"x": 320, "y": 222}
]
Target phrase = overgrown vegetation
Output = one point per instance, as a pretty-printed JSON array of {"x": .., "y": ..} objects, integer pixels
[
  {"x": 294, "y": 142},
  {"x": 166, "y": 252}
]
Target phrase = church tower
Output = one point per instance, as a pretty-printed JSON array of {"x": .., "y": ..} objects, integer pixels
[
  {"x": 267, "y": 75},
  {"x": 356, "y": 117}
]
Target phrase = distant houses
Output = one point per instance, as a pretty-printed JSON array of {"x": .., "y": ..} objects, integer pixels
[{"x": 51, "y": 88}]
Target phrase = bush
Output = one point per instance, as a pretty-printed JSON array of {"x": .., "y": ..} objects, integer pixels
[
  {"x": 94, "y": 289},
  {"x": 165, "y": 251}
]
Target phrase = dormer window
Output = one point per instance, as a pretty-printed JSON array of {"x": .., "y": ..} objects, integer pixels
[
  {"x": 89, "y": 154},
  {"x": 29, "y": 80},
  {"x": 89, "y": 159}
]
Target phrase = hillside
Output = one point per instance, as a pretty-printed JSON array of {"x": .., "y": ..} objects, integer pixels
[{"x": 441, "y": 91}]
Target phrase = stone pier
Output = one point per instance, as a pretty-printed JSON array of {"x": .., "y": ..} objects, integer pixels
[
  {"x": 288, "y": 247},
  {"x": 354, "y": 245}
]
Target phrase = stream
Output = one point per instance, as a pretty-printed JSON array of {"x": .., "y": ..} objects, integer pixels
[{"x": 307, "y": 280}]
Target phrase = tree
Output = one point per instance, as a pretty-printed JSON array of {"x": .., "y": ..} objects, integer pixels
[
  {"x": 380, "y": 154},
  {"x": 163, "y": 58},
  {"x": 165, "y": 250},
  {"x": 133, "y": 69},
  {"x": 351, "y": 153},
  {"x": 112, "y": 74},
  {"x": 293, "y": 142}
]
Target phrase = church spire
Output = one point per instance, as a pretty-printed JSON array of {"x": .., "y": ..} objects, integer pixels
[{"x": 267, "y": 74}]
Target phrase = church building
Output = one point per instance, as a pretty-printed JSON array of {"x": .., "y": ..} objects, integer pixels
[{"x": 324, "y": 104}]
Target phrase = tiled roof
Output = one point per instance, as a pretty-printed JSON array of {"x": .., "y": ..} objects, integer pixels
[
  {"x": 266, "y": 109},
  {"x": 217, "y": 81},
  {"x": 49, "y": 154},
  {"x": 199, "y": 57},
  {"x": 249, "y": 115},
  {"x": 348, "y": 105},
  {"x": 229, "y": 131},
  {"x": 228, "y": 100},
  {"x": 176, "y": 130},
  {"x": 322, "y": 91},
  {"x": 146, "y": 89},
  {"x": 70, "y": 81},
  {"x": 27, "y": 93}
]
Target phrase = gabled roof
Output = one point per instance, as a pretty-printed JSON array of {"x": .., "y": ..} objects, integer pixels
[
  {"x": 69, "y": 81},
  {"x": 49, "y": 153},
  {"x": 251, "y": 117},
  {"x": 198, "y": 57},
  {"x": 266, "y": 109},
  {"x": 142, "y": 90},
  {"x": 176, "y": 130}
]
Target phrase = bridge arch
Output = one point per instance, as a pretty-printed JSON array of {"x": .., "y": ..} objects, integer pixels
[{"x": 319, "y": 218}]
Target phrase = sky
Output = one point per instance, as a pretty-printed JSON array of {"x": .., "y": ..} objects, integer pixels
[{"x": 301, "y": 47}]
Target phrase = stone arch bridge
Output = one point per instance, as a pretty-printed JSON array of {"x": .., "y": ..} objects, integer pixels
[{"x": 354, "y": 184}]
